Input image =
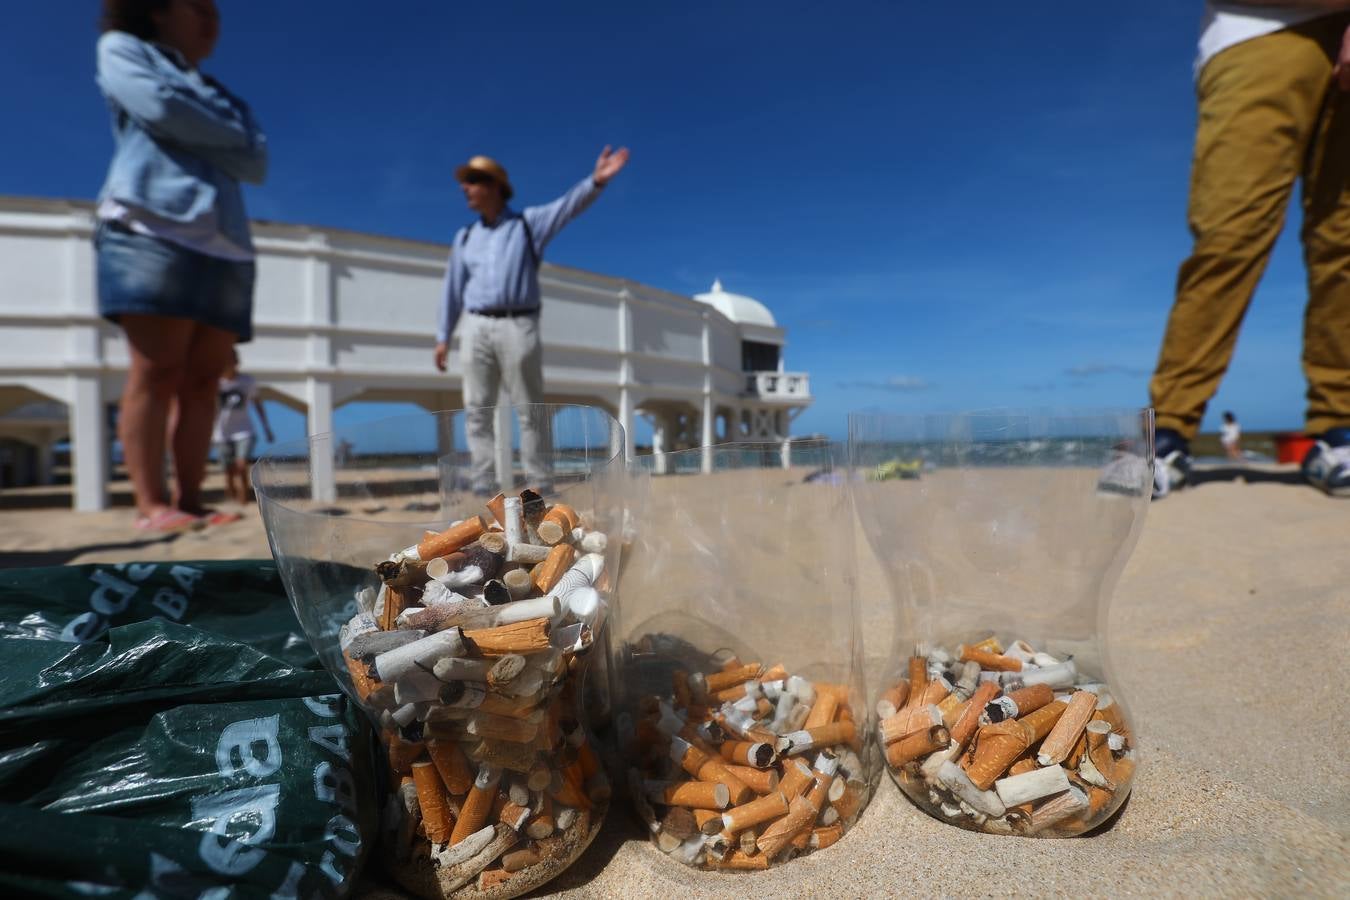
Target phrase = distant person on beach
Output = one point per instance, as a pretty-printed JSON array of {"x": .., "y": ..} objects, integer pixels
[
  {"x": 175, "y": 258},
  {"x": 1230, "y": 435},
  {"x": 234, "y": 435},
  {"x": 1273, "y": 88},
  {"x": 493, "y": 275}
]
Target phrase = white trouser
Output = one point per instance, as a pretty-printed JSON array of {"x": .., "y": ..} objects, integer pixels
[{"x": 504, "y": 355}]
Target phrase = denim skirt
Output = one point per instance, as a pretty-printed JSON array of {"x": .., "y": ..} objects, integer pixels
[{"x": 145, "y": 275}]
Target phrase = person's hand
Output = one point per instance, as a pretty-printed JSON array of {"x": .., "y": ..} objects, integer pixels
[
  {"x": 442, "y": 350},
  {"x": 1341, "y": 73},
  {"x": 609, "y": 164}
]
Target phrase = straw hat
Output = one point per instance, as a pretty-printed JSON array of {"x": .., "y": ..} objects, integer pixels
[{"x": 486, "y": 165}]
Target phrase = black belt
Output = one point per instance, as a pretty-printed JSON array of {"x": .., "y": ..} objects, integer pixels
[{"x": 505, "y": 313}]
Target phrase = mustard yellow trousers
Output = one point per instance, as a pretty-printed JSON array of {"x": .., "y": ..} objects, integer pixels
[{"x": 1269, "y": 115}]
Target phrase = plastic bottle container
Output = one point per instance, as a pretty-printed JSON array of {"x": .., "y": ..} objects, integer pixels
[
  {"x": 743, "y": 724},
  {"x": 466, "y": 627},
  {"x": 1002, "y": 535}
]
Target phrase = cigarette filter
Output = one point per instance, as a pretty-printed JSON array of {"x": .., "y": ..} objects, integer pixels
[
  {"x": 737, "y": 860},
  {"x": 705, "y": 767},
  {"x": 719, "y": 681},
  {"x": 754, "y": 813},
  {"x": 452, "y": 765},
  {"x": 761, "y": 781},
  {"x": 431, "y": 799},
  {"x": 696, "y": 795},
  {"x": 516, "y": 860},
  {"x": 778, "y": 836},
  {"x": 956, "y": 781},
  {"x": 893, "y": 699},
  {"x": 920, "y": 743},
  {"x": 453, "y": 538},
  {"x": 1061, "y": 739},
  {"x": 907, "y": 721},
  {"x": 559, "y": 559},
  {"x": 1057, "y": 809},
  {"x": 826, "y": 836},
  {"x": 988, "y": 661},
  {"x": 996, "y": 747},
  {"x": 969, "y": 720},
  {"x": 530, "y": 636},
  {"x": 473, "y": 814},
  {"x": 748, "y": 753},
  {"x": 1029, "y": 786},
  {"x": 1042, "y": 720}
]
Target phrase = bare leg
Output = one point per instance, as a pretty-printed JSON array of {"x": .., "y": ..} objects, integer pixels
[
  {"x": 158, "y": 347},
  {"x": 240, "y": 481},
  {"x": 208, "y": 354}
]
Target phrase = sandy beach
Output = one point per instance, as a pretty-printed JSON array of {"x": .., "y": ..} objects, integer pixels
[{"x": 1227, "y": 633}]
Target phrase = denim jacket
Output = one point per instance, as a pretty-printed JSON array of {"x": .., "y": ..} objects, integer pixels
[{"x": 183, "y": 142}]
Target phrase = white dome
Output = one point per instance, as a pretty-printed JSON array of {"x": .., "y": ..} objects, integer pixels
[{"x": 737, "y": 307}]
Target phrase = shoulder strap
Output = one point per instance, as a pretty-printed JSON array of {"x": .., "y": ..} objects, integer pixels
[{"x": 529, "y": 240}]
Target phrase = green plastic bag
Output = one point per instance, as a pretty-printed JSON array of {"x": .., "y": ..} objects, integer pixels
[{"x": 165, "y": 731}]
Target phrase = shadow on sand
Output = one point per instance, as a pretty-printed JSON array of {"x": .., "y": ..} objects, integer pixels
[{"x": 27, "y": 559}]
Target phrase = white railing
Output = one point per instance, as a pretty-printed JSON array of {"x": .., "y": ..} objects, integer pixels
[{"x": 778, "y": 385}]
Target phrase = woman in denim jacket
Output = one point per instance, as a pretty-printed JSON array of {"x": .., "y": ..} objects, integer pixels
[{"x": 175, "y": 259}]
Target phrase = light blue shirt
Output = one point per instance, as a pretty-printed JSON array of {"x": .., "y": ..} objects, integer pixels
[
  {"x": 492, "y": 266},
  {"x": 183, "y": 142}
]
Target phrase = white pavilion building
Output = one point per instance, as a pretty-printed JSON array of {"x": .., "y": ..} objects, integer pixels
[{"x": 342, "y": 316}]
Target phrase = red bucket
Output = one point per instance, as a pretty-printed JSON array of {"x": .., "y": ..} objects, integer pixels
[{"x": 1292, "y": 447}]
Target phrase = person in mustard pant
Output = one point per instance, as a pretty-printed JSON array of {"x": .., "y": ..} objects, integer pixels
[{"x": 1273, "y": 91}]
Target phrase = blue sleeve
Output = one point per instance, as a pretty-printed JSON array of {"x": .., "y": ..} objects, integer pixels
[
  {"x": 452, "y": 297},
  {"x": 169, "y": 106},
  {"x": 546, "y": 221}
]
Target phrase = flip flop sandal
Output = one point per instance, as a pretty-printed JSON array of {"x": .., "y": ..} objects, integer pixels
[
  {"x": 168, "y": 521},
  {"x": 221, "y": 517}
]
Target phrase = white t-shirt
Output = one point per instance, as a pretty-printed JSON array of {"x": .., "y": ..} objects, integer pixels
[
  {"x": 232, "y": 419},
  {"x": 1226, "y": 24},
  {"x": 1229, "y": 432}
]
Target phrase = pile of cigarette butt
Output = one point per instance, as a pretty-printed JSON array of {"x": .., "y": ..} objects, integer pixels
[
  {"x": 746, "y": 767},
  {"x": 470, "y": 658},
  {"x": 1006, "y": 741}
]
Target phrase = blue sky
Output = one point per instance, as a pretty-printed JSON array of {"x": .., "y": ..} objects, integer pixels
[{"x": 947, "y": 206}]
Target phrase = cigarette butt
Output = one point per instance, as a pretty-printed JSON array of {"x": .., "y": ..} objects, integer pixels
[
  {"x": 1028, "y": 787},
  {"x": 494, "y": 542},
  {"x": 517, "y": 860},
  {"x": 557, "y": 524},
  {"x": 990, "y": 662},
  {"x": 362, "y": 683},
  {"x": 969, "y": 720},
  {"x": 990, "y": 644},
  {"x": 1110, "y": 714},
  {"x": 402, "y": 754},
  {"x": 775, "y": 672},
  {"x": 530, "y": 636},
  {"x": 748, "y": 753},
  {"x": 849, "y": 802},
  {"x": 706, "y": 767},
  {"x": 996, "y": 747},
  {"x": 822, "y": 736},
  {"x": 763, "y": 708},
  {"x": 497, "y": 506},
  {"x": 918, "y": 677},
  {"x": 893, "y": 699},
  {"x": 1029, "y": 699},
  {"x": 761, "y": 781},
  {"x": 907, "y": 721},
  {"x": 697, "y": 795},
  {"x": 756, "y": 812},
  {"x": 589, "y": 762},
  {"x": 1061, "y": 739},
  {"x": 823, "y": 710},
  {"x": 736, "y": 692},
  {"x": 708, "y": 821},
  {"x": 559, "y": 560},
  {"x": 826, "y": 836},
  {"x": 518, "y": 583},
  {"x": 1023, "y": 765},
  {"x": 1098, "y": 798},
  {"x": 920, "y": 743},
  {"x": 473, "y": 814},
  {"x": 431, "y": 799},
  {"x": 1057, "y": 809},
  {"x": 452, "y": 539},
  {"x": 512, "y": 814},
  {"x": 934, "y": 693},
  {"x": 452, "y": 765},
  {"x": 542, "y": 825},
  {"x": 720, "y": 681},
  {"x": 951, "y": 708},
  {"x": 1042, "y": 720},
  {"x": 679, "y": 823},
  {"x": 1123, "y": 772},
  {"x": 797, "y": 779},
  {"x": 736, "y": 860},
  {"x": 778, "y": 836}
]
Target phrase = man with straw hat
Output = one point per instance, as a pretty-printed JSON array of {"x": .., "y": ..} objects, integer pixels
[{"x": 493, "y": 275}]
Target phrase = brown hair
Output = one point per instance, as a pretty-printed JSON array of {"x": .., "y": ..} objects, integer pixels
[{"x": 132, "y": 16}]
